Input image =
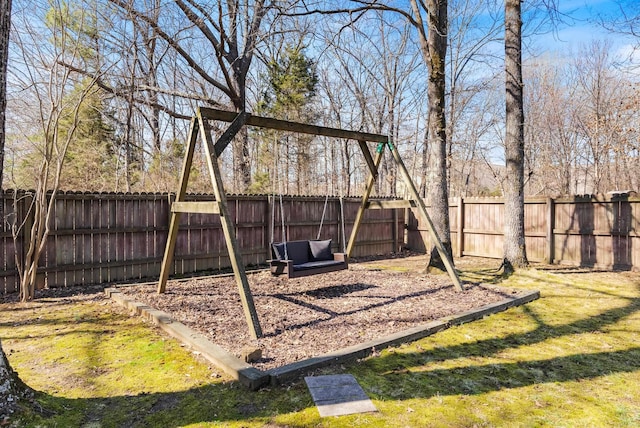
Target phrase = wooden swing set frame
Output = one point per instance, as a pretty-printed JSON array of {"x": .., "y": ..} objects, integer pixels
[{"x": 200, "y": 126}]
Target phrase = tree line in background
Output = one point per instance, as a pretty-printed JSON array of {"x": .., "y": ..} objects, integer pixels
[{"x": 131, "y": 73}]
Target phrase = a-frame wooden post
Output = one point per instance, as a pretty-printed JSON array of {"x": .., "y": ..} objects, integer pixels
[
  {"x": 371, "y": 181},
  {"x": 200, "y": 126},
  {"x": 416, "y": 202},
  {"x": 169, "y": 249},
  {"x": 422, "y": 210}
]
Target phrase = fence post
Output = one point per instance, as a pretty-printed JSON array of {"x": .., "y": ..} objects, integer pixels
[
  {"x": 551, "y": 216},
  {"x": 339, "y": 223},
  {"x": 396, "y": 242},
  {"x": 460, "y": 228},
  {"x": 405, "y": 238},
  {"x": 268, "y": 232}
]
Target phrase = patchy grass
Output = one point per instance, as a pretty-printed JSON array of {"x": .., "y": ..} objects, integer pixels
[{"x": 571, "y": 358}]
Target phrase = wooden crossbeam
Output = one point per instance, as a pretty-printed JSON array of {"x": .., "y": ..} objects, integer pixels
[
  {"x": 231, "y": 131},
  {"x": 196, "y": 207},
  {"x": 383, "y": 205},
  {"x": 373, "y": 168},
  {"x": 284, "y": 125}
]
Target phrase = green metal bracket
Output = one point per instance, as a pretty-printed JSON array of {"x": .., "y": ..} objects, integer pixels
[{"x": 381, "y": 145}]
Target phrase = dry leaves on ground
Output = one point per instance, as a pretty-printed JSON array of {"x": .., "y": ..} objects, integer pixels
[{"x": 310, "y": 316}]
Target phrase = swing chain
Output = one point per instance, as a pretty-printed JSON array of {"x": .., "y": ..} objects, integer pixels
[
  {"x": 324, "y": 210},
  {"x": 284, "y": 237}
]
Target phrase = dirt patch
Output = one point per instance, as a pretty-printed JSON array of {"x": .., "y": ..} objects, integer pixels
[{"x": 310, "y": 316}]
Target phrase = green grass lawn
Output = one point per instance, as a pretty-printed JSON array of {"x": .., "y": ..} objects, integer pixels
[{"x": 571, "y": 358}]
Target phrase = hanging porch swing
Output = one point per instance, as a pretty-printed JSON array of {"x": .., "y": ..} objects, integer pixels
[{"x": 305, "y": 257}]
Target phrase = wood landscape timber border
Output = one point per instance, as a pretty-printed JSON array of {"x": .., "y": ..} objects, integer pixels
[
  {"x": 236, "y": 368},
  {"x": 254, "y": 379}
]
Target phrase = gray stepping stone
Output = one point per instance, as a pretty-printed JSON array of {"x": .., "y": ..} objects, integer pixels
[{"x": 337, "y": 395}]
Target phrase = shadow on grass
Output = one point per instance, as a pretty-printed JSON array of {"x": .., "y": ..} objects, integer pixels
[
  {"x": 488, "y": 275},
  {"x": 542, "y": 332},
  {"x": 495, "y": 377},
  {"x": 393, "y": 377},
  {"x": 214, "y": 403},
  {"x": 391, "y": 373},
  {"x": 397, "y": 370}
]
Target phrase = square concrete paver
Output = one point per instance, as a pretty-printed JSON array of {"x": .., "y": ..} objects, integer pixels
[{"x": 337, "y": 395}]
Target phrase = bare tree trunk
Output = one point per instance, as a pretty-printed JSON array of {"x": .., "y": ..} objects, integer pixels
[
  {"x": 151, "y": 39},
  {"x": 515, "y": 254},
  {"x": 128, "y": 135},
  {"x": 347, "y": 169},
  {"x": 13, "y": 392},
  {"x": 241, "y": 160},
  {"x": 5, "y": 26},
  {"x": 437, "y": 188},
  {"x": 424, "y": 165}
]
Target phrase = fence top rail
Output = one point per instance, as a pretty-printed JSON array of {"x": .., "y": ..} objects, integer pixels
[
  {"x": 545, "y": 199},
  {"x": 495, "y": 200},
  {"x": 73, "y": 195},
  {"x": 70, "y": 194},
  {"x": 626, "y": 197}
]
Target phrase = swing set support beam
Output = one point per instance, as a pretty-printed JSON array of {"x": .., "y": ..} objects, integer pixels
[
  {"x": 200, "y": 128},
  {"x": 371, "y": 181}
]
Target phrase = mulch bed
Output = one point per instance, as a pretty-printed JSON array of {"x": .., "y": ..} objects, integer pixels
[{"x": 310, "y": 316}]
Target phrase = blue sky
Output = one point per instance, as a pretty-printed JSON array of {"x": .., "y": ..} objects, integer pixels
[{"x": 581, "y": 26}]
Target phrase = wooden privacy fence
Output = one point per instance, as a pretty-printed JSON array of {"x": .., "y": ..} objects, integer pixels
[
  {"x": 596, "y": 231},
  {"x": 98, "y": 238}
]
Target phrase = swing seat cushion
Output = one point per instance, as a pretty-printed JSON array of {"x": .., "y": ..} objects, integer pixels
[
  {"x": 318, "y": 264},
  {"x": 320, "y": 250},
  {"x": 303, "y": 252},
  {"x": 308, "y": 256},
  {"x": 297, "y": 251}
]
